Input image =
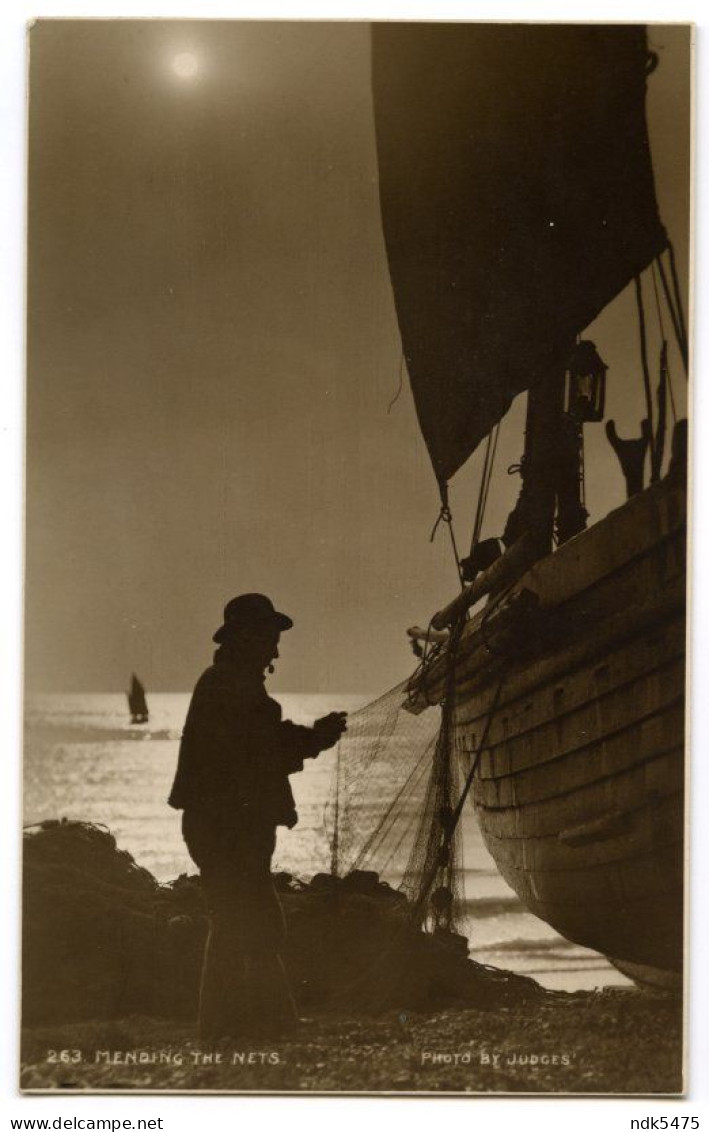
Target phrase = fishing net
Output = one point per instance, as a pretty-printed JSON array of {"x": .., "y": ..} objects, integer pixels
[
  {"x": 103, "y": 940},
  {"x": 399, "y": 776},
  {"x": 390, "y": 800},
  {"x": 398, "y": 817}
]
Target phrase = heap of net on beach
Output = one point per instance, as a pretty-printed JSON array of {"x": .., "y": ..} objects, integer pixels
[{"x": 103, "y": 939}]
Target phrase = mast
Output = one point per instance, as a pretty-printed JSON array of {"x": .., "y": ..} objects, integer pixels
[
  {"x": 551, "y": 508},
  {"x": 550, "y": 502},
  {"x": 535, "y": 509}
]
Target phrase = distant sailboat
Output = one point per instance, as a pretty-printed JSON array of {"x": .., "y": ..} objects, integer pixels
[{"x": 137, "y": 703}]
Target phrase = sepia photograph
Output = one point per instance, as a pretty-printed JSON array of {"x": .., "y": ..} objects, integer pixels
[{"x": 357, "y": 431}]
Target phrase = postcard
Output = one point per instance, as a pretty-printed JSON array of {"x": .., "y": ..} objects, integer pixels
[{"x": 356, "y": 527}]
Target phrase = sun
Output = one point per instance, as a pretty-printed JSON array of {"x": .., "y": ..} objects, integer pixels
[{"x": 185, "y": 65}]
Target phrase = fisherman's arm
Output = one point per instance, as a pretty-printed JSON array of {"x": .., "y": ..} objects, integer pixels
[
  {"x": 287, "y": 744},
  {"x": 296, "y": 743}
]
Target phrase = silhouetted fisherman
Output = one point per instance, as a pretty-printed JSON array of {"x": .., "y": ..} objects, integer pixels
[{"x": 232, "y": 783}]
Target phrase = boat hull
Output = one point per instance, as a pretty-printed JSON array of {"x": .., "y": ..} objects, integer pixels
[{"x": 580, "y": 787}]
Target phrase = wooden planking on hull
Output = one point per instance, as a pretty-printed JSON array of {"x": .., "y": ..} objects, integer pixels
[
  {"x": 662, "y": 566},
  {"x": 545, "y": 655},
  {"x": 580, "y": 790},
  {"x": 591, "y": 889},
  {"x": 605, "y": 584},
  {"x": 618, "y": 667},
  {"x": 570, "y": 730},
  {"x": 620, "y": 792},
  {"x": 617, "y": 835},
  {"x": 635, "y": 529},
  {"x": 604, "y": 756}
]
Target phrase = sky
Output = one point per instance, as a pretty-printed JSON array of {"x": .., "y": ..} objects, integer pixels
[{"x": 213, "y": 353}]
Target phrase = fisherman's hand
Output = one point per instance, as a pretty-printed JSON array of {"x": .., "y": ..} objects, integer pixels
[{"x": 329, "y": 729}]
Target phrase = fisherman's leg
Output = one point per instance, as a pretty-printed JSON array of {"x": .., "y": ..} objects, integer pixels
[
  {"x": 274, "y": 1006},
  {"x": 211, "y": 991},
  {"x": 244, "y": 987},
  {"x": 228, "y": 1006},
  {"x": 225, "y": 996}
]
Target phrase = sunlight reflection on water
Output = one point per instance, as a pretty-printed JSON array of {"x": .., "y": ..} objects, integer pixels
[{"x": 83, "y": 760}]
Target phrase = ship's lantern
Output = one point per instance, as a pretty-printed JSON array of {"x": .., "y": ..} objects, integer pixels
[{"x": 585, "y": 383}]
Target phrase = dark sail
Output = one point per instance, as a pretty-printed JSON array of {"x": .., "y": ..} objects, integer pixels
[
  {"x": 137, "y": 703},
  {"x": 518, "y": 199}
]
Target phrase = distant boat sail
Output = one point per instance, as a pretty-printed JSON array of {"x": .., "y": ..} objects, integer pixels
[{"x": 137, "y": 703}]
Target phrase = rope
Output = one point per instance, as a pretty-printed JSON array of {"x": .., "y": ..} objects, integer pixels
[
  {"x": 397, "y": 395},
  {"x": 455, "y": 816},
  {"x": 678, "y": 300},
  {"x": 643, "y": 359},
  {"x": 660, "y": 319},
  {"x": 492, "y": 465},
  {"x": 420, "y": 676},
  {"x": 334, "y": 858},
  {"x": 477, "y": 524},
  {"x": 419, "y": 680},
  {"x": 445, "y": 516},
  {"x": 485, "y": 481},
  {"x": 677, "y": 321},
  {"x": 476, "y": 759},
  {"x": 443, "y": 744}
]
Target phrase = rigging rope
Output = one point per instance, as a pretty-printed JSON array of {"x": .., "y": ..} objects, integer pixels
[
  {"x": 660, "y": 320},
  {"x": 678, "y": 300},
  {"x": 430, "y": 652},
  {"x": 452, "y": 823},
  {"x": 644, "y": 361},
  {"x": 397, "y": 395},
  {"x": 676, "y": 315},
  {"x": 485, "y": 481},
  {"x": 477, "y": 524},
  {"x": 445, "y": 516}
]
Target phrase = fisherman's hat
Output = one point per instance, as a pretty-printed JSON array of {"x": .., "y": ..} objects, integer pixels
[{"x": 250, "y": 611}]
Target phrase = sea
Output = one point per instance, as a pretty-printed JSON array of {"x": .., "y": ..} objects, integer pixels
[{"x": 84, "y": 760}]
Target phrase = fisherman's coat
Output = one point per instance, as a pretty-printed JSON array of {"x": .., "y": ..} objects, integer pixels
[{"x": 237, "y": 752}]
